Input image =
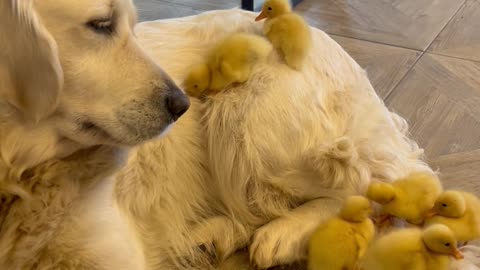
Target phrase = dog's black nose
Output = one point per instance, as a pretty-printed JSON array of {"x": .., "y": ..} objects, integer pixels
[{"x": 177, "y": 102}]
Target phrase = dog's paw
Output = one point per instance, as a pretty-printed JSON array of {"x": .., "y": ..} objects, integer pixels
[
  {"x": 221, "y": 234},
  {"x": 276, "y": 243}
]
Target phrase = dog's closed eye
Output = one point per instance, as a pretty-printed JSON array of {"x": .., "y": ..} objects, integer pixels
[{"x": 101, "y": 26}]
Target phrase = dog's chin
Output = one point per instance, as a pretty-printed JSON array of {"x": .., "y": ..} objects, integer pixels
[
  {"x": 166, "y": 130},
  {"x": 93, "y": 134}
]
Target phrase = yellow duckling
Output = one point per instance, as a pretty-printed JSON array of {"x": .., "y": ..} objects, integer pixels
[
  {"x": 341, "y": 241},
  {"x": 288, "y": 32},
  {"x": 413, "y": 249},
  {"x": 198, "y": 80},
  {"x": 409, "y": 198},
  {"x": 231, "y": 61},
  {"x": 460, "y": 211}
]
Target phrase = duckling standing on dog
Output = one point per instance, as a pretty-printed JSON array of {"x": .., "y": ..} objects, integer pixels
[
  {"x": 231, "y": 61},
  {"x": 288, "y": 32}
]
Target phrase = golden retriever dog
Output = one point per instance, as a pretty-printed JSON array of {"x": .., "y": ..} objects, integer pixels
[
  {"x": 76, "y": 92},
  {"x": 260, "y": 164}
]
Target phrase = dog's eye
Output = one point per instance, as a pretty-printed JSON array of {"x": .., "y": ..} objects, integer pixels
[{"x": 101, "y": 26}]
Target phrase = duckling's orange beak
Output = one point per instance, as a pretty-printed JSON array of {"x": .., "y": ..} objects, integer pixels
[
  {"x": 457, "y": 254},
  {"x": 261, "y": 16},
  {"x": 431, "y": 213}
]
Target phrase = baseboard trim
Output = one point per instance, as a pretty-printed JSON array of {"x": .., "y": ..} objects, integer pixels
[{"x": 249, "y": 4}]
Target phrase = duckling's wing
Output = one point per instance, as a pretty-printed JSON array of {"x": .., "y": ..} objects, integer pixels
[
  {"x": 414, "y": 197},
  {"x": 459, "y": 226},
  {"x": 363, "y": 236},
  {"x": 361, "y": 245},
  {"x": 408, "y": 260},
  {"x": 398, "y": 250},
  {"x": 328, "y": 242},
  {"x": 418, "y": 262}
]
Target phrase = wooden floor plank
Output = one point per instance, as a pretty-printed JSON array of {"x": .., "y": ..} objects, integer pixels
[
  {"x": 385, "y": 65},
  {"x": 440, "y": 98},
  {"x": 460, "y": 170},
  {"x": 407, "y": 23},
  {"x": 461, "y": 37}
]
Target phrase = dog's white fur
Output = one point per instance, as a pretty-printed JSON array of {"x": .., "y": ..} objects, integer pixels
[{"x": 260, "y": 164}]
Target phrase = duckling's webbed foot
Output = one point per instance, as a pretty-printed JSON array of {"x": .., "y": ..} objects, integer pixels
[
  {"x": 383, "y": 220},
  {"x": 460, "y": 244}
]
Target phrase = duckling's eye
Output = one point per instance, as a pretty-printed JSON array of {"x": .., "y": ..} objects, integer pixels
[
  {"x": 269, "y": 8},
  {"x": 447, "y": 244},
  {"x": 444, "y": 205},
  {"x": 196, "y": 86}
]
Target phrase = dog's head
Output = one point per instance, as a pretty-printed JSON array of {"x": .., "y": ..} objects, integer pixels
[{"x": 73, "y": 70}]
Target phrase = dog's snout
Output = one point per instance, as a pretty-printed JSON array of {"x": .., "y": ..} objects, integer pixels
[{"x": 177, "y": 102}]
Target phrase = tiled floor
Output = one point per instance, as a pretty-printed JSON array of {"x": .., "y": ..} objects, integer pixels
[{"x": 423, "y": 57}]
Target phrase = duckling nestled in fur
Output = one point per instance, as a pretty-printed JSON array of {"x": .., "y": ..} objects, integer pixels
[
  {"x": 341, "y": 241},
  {"x": 229, "y": 62}
]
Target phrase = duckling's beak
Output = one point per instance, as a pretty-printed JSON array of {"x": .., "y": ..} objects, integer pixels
[
  {"x": 457, "y": 254},
  {"x": 261, "y": 16},
  {"x": 431, "y": 213}
]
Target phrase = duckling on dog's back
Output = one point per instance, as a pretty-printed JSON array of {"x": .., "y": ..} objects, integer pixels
[{"x": 288, "y": 32}]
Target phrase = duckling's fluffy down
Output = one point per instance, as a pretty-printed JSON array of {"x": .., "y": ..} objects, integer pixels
[{"x": 278, "y": 151}]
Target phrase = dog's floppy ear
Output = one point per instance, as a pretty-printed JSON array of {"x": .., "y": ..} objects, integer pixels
[{"x": 31, "y": 76}]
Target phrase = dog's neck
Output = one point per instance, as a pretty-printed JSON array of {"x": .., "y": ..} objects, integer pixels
[
  {"x": 24, "y": 144},
  {"x": 36, "y": 199},
  {"x": 27, "y": 148}
]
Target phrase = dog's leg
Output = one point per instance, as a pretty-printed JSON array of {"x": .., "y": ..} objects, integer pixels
[
  {"x": 284, "y": 240},
  {"x": 237, "y": 261}
]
